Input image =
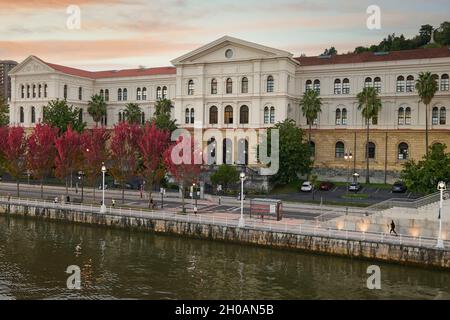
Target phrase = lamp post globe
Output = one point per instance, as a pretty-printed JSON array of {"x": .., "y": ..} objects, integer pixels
[
  {"x": 241, "y": 220},
  {"x": 103, "y": 207},
  {"x": 442, "y": 186}
]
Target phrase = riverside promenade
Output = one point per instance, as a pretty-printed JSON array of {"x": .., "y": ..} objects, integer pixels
[{"x": 290, "y": 233}]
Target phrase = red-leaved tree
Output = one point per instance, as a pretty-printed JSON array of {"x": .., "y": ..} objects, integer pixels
[
  {"x": 124, "y": 153},
  {"x": 95, "y": 152},
  {"x": 14, "y": 153},
  {"x": 68, "y": 156},
  {"x": 184, "y": 161},
  {"x": 152, "y": 145},
  {"x": 41, "y": 152}
]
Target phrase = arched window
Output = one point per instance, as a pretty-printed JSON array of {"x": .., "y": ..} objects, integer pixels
[
  {"x": 33, "y": 115},
  {"x": 164, "y": 92},
  {"x": 192, "y": 116},
  {"x": 138, "y": 94},
  {"x": 119, "y": 95},
  {"x": 242, "y": 152},
  {"x": 266, "y": 115},
  {"x": 338, "y": 117},
  {"x": 243, "y": 115},
  {"x": 102, "y": 94},
  {"x": 401, "y": 116},
  {"x": 125, "y": 94},
  {"x": 344, "y": 117},
  {"x": 227, "y": 156},
  {"x": 106, "y": 95},
  {"x": 229, "y": 86},
  {"x": 191, "y": 87},
  {"x": 270, "y": 84},
  {"x": 403, "y": 151},
  {"x": 443, "y": 116},
  {"x": 80, "y": 115},
  {"x": 371, "y": 150},
  {"x": 80, "y": 93},
  {"x": 272, "y": 115},
  {"x": 346, "y": 86},
  {"x": 228, "y": 115},
  {"x": 444, "y": 82},
  {"x": 45, "y": 90},
  {"x": 187, "y": 116},
  {"x": 22, "y": 91},
  {"x": 143, "y": 118},
  {"x": 144, "y": 94},
  {"x": 337, "y": 86},
  {"x": 377, "y": 84},
  {"x": 212, "y": 151},
  {"x": 340, "y": 150},
  {"x": 410, "y": 84},
  {"x": 401, "y": 84},
  {"x": 40, "y": 90},
  {"x": 34, "y": 91},
  {"x": 21, "y": 115},
  {"x": 213, "y": 115},
  {"x": 316, "y": 86},
  {"x": 435, "y": 116},
  {"x": 312, "y": 147},
  {"x": 368, "y": 82},
  {"x": 408, "y": 116},
  {"x": 28, "y": 91},
  {"x": 244, "y": 86},
  {"x": 65, "y": 91},
  {"x": 309, "y": 85},
  {"x": 213, "y": 86}
]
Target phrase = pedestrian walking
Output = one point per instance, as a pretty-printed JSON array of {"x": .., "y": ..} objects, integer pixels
[
  {"x": 56, "y": 200},
  {"x": 392, "y": 231},
  {"x": 113, "y": 203},
  {"x": 195, "y": 210}
]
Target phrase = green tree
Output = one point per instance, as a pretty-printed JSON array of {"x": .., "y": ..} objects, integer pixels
[
  {"x": 423, "y": 176},
  {"x": 369, "y": 103},
  {"x": 59, "y": 114},
  {"x": 133, "y": 113},
  {"x": 163, "y": 116},
  {"x": 330, "y": 52},
  {"x": 97, "y": 108},
  {"x": 4, "y": 112},
  {"x": 442, "y": 35},
  {"x": 294, "y": 154},
  {"x": 226, "y": 175},
  {"x": 311, "y": 106},
  {"x": 426, "y": 87}
]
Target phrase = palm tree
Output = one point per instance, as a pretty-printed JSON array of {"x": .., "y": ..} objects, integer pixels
[
  {"x": 427, "y": 87},
  {"x": 133, "y": 113},
  {"x": 369, "y": 103},
  {"x": 97, "y": 108},
  {"x": 311, "y": 106}
]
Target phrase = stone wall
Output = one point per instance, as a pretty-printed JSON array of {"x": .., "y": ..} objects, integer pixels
[{"x": 340, "y": 247}]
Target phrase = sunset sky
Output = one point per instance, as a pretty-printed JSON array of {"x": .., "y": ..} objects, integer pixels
[{"x": 128, "y": 33}]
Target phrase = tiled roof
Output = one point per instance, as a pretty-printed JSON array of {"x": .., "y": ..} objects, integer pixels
[
  {"x": 112, "y": 73},
  {"x": 375, "y": 57}
]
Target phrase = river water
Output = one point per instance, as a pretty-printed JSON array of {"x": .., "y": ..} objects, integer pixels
[{"x": 119, "y": 264}]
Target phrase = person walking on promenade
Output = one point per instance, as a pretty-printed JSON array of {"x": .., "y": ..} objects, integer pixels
[
  {"x": 113, "y": 203},
  {"x": 392, "y": 231}
]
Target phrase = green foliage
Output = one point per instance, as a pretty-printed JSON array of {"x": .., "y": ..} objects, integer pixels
[
  {"x": 426, "y": 87},
  {"x": 311, "y": 106},
  {"x": 97, "y": 108},
  {"x": 133, "y": 113},
  {"x": 226, "y": 175},
  {"x": 163, "y": 116},
  {"x": 330, "y": 52},
  {"x": 295, "y": 154},
  {"x": 423, "y": 176},
  {"x": 59, "y": 114},
  {"x": 4, "y": 112}
]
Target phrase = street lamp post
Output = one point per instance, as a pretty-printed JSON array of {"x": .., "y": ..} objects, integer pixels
[
  {"x": 241, "y": 220},
  {"x": 162, "y": 191},
  {"x": 441, "y": 187},
  {"x": 103, "y": 207},
  {"x": 348, "y": 157}
]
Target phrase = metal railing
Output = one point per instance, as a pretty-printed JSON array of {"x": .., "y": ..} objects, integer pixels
[
  {"x": 302, "y": 228},
  {"x": 405, "y": 203}
]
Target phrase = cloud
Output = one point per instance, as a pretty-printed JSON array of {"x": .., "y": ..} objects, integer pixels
[{"x": 45, "y": 4}]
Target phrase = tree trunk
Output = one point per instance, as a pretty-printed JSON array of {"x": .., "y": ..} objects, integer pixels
[
  {"x": 310, "y": 128},
  {"x": 426, "y": 130},
  {"x": 150, "y": 189},
  {"x": 367, "y": 153}
]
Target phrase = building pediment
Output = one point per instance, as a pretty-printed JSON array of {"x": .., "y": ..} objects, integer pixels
[
  {"x": 31, "y": 65},
  {"x": 230, "y": 49}
]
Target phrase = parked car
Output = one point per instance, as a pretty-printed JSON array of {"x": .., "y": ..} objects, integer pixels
[
  {"x": 326, "y": 186},
  {"x": 399, "y": 187},
  {"x": 306, "y": 187},
  {"x": 355, "y": 187}
]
